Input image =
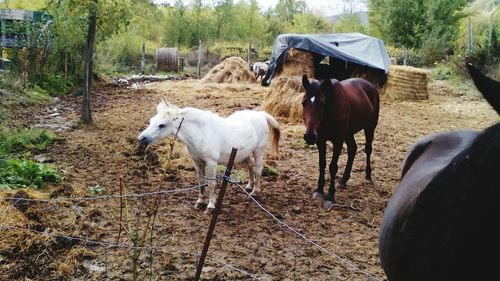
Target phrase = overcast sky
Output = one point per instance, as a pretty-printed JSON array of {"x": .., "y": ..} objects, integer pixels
[{"x": 323, "y": 7}]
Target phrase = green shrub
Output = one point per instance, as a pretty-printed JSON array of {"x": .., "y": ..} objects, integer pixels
[
  {"x": 15, "y": 170},
  {"x": 18, "y": 173}
]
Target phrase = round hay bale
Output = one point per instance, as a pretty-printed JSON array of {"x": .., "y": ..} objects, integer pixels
[
  {"x": 406, "y": 83},
  {"x": 297, "y": 63},
  {"x": 167, "y": 59},
  {"x": 284, "y": 97},
  {"x": 231, "y": 70}
]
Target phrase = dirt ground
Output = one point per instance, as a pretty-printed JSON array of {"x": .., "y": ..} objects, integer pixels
[{"x": 248, "y": 244}]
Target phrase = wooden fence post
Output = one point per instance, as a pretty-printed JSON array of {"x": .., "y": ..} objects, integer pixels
[
  {"x": 249, "y": 55},
  {"x": 215, "y": 214},
  {"x": 199, "y": 59},
  {"x": 143, "y": 57}
]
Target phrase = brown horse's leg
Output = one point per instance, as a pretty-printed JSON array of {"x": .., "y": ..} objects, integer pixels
[
  {"x": 321, "y": 144},
  {"x": 330, "y": 198},
  {"x": 369, "y": 133},
  {"x": 351, "y": 153}
]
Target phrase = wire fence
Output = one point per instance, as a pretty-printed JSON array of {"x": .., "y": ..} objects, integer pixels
[{"x": 109, "y": 245}]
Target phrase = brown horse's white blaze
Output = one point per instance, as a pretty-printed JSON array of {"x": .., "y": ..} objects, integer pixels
[{"x": 334, "y": 111}]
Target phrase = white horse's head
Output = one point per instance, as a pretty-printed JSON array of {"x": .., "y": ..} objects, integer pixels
[{"x": 162, "y": 125}]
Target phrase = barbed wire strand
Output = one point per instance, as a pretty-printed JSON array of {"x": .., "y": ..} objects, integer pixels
[
  {"x": 103, "y": 197},
  {"x": 343, "y": 260},
  {"x": 242, "y": 271}
]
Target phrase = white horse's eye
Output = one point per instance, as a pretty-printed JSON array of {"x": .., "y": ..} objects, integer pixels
[
  {"x": 312, "y": 99},
  {"x": 161, "y": 126}
]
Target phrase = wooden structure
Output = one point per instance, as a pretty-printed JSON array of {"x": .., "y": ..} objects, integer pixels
[{"x": 167, "y": 59}]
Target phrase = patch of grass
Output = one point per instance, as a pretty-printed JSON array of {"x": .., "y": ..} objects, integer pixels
[
  {"x": 270, "y": 171},
  {"x": 20, "y": 173},
  {"x": 20, "y": 141},
  {"x": 16, "y": 171}
]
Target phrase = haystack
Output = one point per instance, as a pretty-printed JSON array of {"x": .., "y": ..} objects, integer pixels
[
  {"x": 297, "y": 63},
  {"x": 406, "y": 83},
  {"x": 231, "y": 70},
  {"x": 284, "y": 96}
]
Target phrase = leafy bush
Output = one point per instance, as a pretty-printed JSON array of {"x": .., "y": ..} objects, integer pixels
[{"x": 54, "y": 84}]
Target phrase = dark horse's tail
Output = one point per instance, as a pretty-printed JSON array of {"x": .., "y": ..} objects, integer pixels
[{"x": 487, "y": 86}]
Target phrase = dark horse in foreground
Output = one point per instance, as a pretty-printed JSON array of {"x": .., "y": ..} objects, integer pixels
[
  {"x": 335, "y": 111},
  {"x": 443, "y": 221}
]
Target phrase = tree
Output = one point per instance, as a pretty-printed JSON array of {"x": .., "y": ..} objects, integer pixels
[
  {"x": 428, "y": 24},
  {"x": 109, "y": 16},
  {"x": 86, "y": 115}
]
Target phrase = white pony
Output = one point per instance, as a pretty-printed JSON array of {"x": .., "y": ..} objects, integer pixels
[{"x": 210, "y": 137}]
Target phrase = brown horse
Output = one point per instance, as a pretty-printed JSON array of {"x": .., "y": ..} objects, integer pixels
[
  {"x": 443, "y": 221},
  {"x": 335, "y": 111}
]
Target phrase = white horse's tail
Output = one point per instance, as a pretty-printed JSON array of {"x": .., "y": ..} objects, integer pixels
[{"x": 275, "y": 133}]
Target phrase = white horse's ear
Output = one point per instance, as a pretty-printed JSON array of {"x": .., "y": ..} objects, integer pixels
[{"x": 165, "y": 101}]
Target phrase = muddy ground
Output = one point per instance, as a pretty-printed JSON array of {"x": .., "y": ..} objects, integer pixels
[{"x": 248, "y": 244}]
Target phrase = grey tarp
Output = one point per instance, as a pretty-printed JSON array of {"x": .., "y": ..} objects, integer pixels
[{"x": 351, "y": 47}]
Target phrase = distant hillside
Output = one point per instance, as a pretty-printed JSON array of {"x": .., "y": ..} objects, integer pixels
[{"x": 363, "y": 17}]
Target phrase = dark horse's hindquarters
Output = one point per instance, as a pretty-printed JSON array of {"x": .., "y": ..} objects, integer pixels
[
  {"x": 334, "y": 111},
  {"x": 443, "y": 221}
]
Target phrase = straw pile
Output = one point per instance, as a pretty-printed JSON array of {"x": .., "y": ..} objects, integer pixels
[
  {"x": 231, "y": 70},
  {"x": 297, "y": 63},
  {"x": 284, "y": 96},
  {"x": 283, "y": 99},
  {"x": 407, "y": 83}
]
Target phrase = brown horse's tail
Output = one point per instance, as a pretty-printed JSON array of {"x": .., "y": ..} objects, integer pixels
[{"x": 275, "y": 133}]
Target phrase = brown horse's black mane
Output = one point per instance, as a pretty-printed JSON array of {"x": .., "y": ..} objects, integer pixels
[
  {"x": 458, "y": 212},
  {"x": 489, "y": 87}
]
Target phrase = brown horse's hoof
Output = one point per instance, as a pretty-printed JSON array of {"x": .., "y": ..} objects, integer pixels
[
  {"x": 317, "y": 195},
  {"x": 200, "y": 206},
  {"x": 369, "y": 181},
  {"x": 342, "y": 185},
  {"x": 328, "y": 204}
]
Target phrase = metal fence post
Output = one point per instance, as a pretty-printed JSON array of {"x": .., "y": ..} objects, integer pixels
[{"x": 215, "y": 214}]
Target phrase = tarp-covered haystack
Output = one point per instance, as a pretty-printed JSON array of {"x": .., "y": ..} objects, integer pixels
[
  {"x": 343, "y": 49},
  {"x": 406, "y": 83},
  {"x": 231, "y": 70},
  {"x": 348, "y": 55}
]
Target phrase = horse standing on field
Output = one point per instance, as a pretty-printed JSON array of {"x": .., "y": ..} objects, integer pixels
[
  {"x": 335, "y": 111},
  {"x": 443, "y": 221},
  {"x": 210, "y": 137}
]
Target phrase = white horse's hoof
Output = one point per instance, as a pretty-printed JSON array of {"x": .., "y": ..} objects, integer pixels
[
  {"x": 209, "y": 210},
  {"x": 328, "y": 204},
  {"x": 317, "y": 195},
  {"x": 200, "y": 206}
]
